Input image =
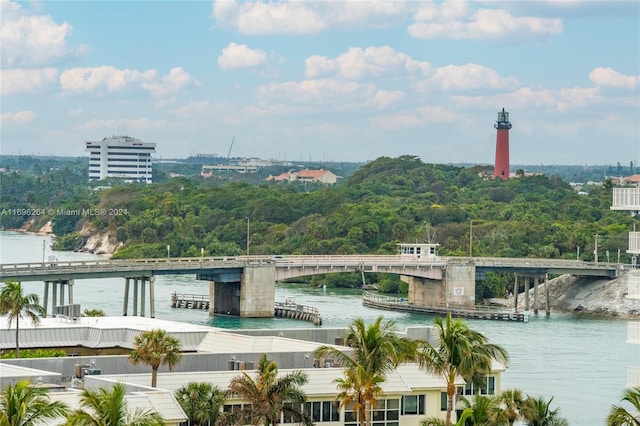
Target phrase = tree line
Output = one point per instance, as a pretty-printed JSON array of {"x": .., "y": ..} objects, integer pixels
[{"x": 383, "y": 203}]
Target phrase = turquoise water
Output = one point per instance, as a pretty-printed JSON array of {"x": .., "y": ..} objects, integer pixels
[{"x": 581, "y": 361}]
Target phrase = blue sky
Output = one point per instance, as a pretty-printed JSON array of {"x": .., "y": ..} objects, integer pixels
[{"x": 325, "y": 80}]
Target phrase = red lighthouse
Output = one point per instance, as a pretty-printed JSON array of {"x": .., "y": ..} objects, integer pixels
[{"x": 501, "y": 168}]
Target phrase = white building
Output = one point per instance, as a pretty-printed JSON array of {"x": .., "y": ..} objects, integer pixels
[{"x": 121, "y": 157}]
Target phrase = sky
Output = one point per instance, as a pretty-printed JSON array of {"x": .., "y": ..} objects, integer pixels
[{"x": 325, "y": 80}]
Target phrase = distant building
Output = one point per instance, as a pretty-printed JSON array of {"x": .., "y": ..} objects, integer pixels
[
  {"x": 121, "y": 157},
  {"x": 322, "y": 176}
]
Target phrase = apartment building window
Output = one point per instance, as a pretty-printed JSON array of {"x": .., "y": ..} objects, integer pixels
[
  {"x": 385, "y": 413},
  {"x": 412, "y": 404},
  {"x": 323, "y": 411},
  {"x": 443, "y": 401},
  {"x": 488, "y": 387}
]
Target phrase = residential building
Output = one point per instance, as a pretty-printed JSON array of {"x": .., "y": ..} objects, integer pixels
[
  {"x": 121, "y": 157},
  {"x": 306, "y": 175},
  {"x": 409, "y": 393}
]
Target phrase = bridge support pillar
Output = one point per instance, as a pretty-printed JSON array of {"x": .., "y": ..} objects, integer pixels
[
  {"x": 258, "y": 292},
  {"x": 248, "y": 293},
  {"x": 515, "y": 294},
  {"x": 460, "y": 284},
  {"x": 527, "y": 283},
  {"x": 57, "y": 294},
  {"x": 547, "y": 307},
  {"x": 139, "y": 296},
  {"x": 535, "y": 295}
]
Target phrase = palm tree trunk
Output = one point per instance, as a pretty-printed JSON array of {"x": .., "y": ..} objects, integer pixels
[
  {"x": 451, "y": 390},
  {"x": 154, "y": 376},
  {"x": 367, "y": 413}
]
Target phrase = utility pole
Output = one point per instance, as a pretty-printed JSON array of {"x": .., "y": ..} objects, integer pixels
[{"x": 595, "y": 251}]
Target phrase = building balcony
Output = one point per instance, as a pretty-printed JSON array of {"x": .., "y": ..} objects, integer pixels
[{"x": 633, "y": 332}]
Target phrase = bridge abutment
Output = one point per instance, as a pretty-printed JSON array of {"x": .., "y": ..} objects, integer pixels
[
  {"x": 248, "y": 294},
  {"x": 457, "y": 287},
  {"x": 258, "y": 292}
]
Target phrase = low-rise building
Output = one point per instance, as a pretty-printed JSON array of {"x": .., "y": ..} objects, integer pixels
[{"x": 306, "y": 175}]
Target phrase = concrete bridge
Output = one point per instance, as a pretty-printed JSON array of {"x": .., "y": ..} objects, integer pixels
[{"x": 245, "y": 285}]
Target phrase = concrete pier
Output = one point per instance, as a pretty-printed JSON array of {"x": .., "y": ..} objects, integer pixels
[{"x": 56, "y": 288}]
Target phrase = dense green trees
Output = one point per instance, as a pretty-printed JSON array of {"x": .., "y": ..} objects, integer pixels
[{"x": 385, "y": 202}]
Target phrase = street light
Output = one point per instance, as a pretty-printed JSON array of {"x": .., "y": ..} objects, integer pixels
[
  {"x": 168, "y": 250},
  {"x": 201, "y": 256},
  {"x": 44, "y": 246}
]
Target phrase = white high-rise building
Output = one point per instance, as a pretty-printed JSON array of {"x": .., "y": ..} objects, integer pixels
[{"x": 120, "y": 157}]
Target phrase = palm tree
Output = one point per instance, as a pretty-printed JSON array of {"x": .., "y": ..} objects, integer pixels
[
  {"x": 539, "y": 413},
  {"x": 93, "y": 313},
  {"x": 16, "y": 304},
  {"x": 511, "y": 406},
  {"x": 459, "y": 351},
  {"x": 480, "y": 412},
  {"x": 108, "y": 408},
  {"x": 155, "y": 348},
  {"x": 268, "y": 396},
  {"x": 26, "y": 405},
  {"x": 201, "y": 402},
  {"x": 375, "y": 351},
  {"x": 619, "y": 416}
]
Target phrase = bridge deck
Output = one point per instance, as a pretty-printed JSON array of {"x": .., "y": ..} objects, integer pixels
[{"x": 47, "y": 271}]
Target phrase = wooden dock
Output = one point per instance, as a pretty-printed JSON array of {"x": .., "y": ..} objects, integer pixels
[
  {"x": 478, "y": 312},
  {"x": 285, "y": 309},
  {"x": 299, "y": 312},
  {"x": 189, "y": 301}
]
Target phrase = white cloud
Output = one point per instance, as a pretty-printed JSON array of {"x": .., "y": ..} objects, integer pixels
[
  {"x": 357, "y": 63},
  {"x": 104, "y": 77},
  {"x": 76, "y": 111},
  {"x": 420, "y": 117},
  {"x": 306, "y": 17},
  {"x": 176, "y": 80},
  {"x": 608, "y": 77},
  {"x": 465, "y": 77},
  {"x": 126, "y": 124},
  {"x": 527, "y": 98},
  {"x": 318, "y": 92},
  {"x": 26, "y": 80},
  {"x": 384, "y": 99},
  {"x": 19, "y": 118},
  {"x": 458, "y": 20},
  {"x": 28, "y": 39},
  {"x": 240, "y": 56}
]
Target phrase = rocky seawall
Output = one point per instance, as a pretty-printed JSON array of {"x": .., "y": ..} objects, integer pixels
[{"x": 586, "y": 295}]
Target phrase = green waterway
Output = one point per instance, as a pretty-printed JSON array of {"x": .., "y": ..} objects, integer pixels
[{"x": 581, "y": 361}]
